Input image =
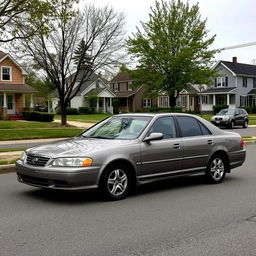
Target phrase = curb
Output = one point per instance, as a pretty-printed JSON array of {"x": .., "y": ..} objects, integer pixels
[{"x": 7, "y": 168}]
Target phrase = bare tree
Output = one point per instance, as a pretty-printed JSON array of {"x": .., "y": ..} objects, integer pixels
[{"x": 76, "y": 48}]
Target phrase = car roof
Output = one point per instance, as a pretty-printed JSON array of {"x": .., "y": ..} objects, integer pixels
[{"x": 154, "y": 114}]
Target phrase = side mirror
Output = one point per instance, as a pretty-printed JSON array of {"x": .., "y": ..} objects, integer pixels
[{"x": 154, "y": 136}]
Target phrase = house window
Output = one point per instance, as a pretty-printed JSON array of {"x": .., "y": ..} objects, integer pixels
[
  {"x": 243, "y": 101},
  {"x": 1, "y": 100},
  {"x": 205, "y": 99},
  {"x": 221, "y": 99},
  {"x": 221, "y": 81},
  {"x": 147, "y": 103},
  {"x": 254, "y": 82},
  {"x": 116, "y": 87},
  {"x": 164, "y": 101},
  {"x": 245, "y": 82},
  {"x": 6, "y": 74},
  {"x": 129, "y": 86},
  {"x": 184, "y": 101}
]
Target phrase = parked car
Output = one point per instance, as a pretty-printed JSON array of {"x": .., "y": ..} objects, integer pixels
[
  {"x": 231, "y": 117},
  {"x": 127, "y": 150}
]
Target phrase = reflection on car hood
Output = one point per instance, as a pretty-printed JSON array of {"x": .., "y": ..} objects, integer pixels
[
  {"x": 220, "y": 116},
  {"x": 77, "y": 146}
]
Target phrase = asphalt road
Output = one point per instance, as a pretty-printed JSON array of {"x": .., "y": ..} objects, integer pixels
[{"x": 180, "y": 217}]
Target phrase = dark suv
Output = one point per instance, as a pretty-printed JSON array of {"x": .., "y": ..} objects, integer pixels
[{"x": 231, "y": 117}]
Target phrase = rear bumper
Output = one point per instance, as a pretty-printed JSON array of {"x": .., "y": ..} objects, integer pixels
[
  {"x": 237, "y": 158},
  {"x": 58, "y": 178}
]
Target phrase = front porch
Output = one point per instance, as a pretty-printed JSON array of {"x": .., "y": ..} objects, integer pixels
[{"x": 12, "y": 104}]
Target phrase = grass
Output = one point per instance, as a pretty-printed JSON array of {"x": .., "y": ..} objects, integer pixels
[
  {"x": 8, "y": 162},
  {"x": 11, "y": 149},
  {"x": 25, "y": 124},
  {"x": 85, "y": 118},
  {"x": 13, "y": 134}
]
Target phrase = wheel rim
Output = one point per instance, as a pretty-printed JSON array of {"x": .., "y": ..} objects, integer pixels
[
  {"x": 217, "y": 169},
  {"x": 232, "y": 124},
  {"x": 245, "y": 124},
  {"x": 117, "y": 182}
]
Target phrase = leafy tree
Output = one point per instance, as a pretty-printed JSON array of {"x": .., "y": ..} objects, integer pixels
[
  {"x": 21, "y": 19},
  {"x": 76, "y": 47},
  {"x": 172, "y": 49}
]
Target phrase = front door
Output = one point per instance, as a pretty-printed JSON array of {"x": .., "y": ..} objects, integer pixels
[
  {"x": 10, "y": 104},
  {"x": 164, "y": 156}
]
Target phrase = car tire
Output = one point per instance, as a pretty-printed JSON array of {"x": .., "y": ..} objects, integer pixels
[
  {"x": 245, "y": 124},
  {"x": 115, "y": 183},
  {"x": 216, "y": 169},
  {"x": 232, "y": 124}
]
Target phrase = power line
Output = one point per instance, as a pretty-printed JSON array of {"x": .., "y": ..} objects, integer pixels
[{"x": 237, "y": 46}]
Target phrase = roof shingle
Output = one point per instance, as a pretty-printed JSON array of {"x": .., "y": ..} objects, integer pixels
[{"x": 241, "y": 68}]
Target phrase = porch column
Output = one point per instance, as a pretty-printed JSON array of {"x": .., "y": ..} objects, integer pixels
[
  {"x": 228, "y": 99},
  {"x": 31, "y": 101},
  {"x": 104, "y": 105},
  {"x": 110, "y": 104},
  {"x": 24, "y": 100},
  {"x": 188, "y": 107},
  {"x": 5, "y": 101},
  {"x": 97, "y": 107},
  {"x": 214, "y": 100}
]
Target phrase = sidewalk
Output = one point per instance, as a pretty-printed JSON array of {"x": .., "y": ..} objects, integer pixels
[{"x": 77, "y": 124}]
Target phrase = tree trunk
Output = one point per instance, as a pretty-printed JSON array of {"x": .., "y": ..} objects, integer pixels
[
  {"x": 63, "y": 112},
  {"x": 172, "y": 100}
]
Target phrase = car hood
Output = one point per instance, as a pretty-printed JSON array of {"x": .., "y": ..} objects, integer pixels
[
  {"x": 77, "y": 147},
  {"x": 220, "y": 116}
]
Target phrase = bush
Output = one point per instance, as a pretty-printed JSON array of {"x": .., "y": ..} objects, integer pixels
[
  {"x": 248, "y": 109},
  {"x": 156, "y": 109},
  {"x": 84, "y": 110},
  {"x": 116, "y": 105},
  {"x": 38, "y": 116},
  {"x": 72, "y": 111},
  {"x": 254, "y": 110},
  {"x": 218, "y": 108}
]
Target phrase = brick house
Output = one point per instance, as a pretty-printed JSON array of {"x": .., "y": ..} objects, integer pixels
[{"x": 13, "y": 89}]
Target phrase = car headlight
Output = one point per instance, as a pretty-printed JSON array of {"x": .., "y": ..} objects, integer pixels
[
  {"x": 23, "y": 156},
  {"x": 225, "y": 118},
  {"x": 74, "y": 162}
]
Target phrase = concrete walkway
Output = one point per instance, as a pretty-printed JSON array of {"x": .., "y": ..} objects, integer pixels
[{"x": 77, "y": 124}]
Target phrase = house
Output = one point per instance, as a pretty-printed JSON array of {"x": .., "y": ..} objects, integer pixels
[
  {"x": 130, "y": 97},
  {"x": 95, "y": 86},
  {"x": 13, "y": 90},
  {"x": 236, "y": 87}
]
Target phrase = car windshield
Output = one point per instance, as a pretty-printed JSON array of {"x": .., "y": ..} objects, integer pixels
[
  {"x": 227, "y": 112},
  {"x": 118, "y": 127}
]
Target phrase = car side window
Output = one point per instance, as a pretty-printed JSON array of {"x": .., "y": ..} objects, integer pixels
[
  {"x": 166, "y": 126},
  {"x": 204, "y": 129},
  {"x": 188, "y": 126},
  {"x": 237, "y": 112}
]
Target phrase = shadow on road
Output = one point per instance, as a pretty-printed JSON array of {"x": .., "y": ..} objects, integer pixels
[{"x": 82, "y": 197}]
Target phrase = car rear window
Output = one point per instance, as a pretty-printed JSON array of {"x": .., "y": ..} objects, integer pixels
[{"x": 189, "y": 126}]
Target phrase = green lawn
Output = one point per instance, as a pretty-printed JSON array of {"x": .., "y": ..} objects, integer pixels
[
  {"x": 85, "y": 118},
  {"x": 25, "y": 124},
  {"x": 14, "y": 134}
]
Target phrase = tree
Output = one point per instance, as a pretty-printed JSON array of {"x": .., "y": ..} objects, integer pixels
[
  {"x": 19, "y": 16},
  {"x": 173, "y": 49},
  {"x": 76, "y": 48}
]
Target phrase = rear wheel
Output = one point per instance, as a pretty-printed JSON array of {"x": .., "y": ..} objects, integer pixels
[
  {"x": 216, "y": 169},
  {"x": 115, "y": 183},
  {"x": 245, "y": 124}
]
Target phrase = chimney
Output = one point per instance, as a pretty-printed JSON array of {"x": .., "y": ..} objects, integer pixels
[{"x": 234, "y": 59}]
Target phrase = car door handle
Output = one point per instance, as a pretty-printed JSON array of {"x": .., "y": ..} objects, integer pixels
[
  {"x": 210, "y": 142},
  {"x": 177, "y": 145}
]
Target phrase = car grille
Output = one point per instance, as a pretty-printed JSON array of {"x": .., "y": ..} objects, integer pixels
[
  {"x": 37, "y": 160},
  {"x": 218, "y": 118}
]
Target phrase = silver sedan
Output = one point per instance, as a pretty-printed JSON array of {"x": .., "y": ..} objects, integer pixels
[{"x": 127, "y": 150}]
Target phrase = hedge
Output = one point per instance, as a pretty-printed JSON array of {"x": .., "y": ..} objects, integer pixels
[
  {"x": 218, "y": 108},
  {"x": 38, "y": 116},
  {"x": 86, "y": 110},
  {"x": 156, "y": 109}
]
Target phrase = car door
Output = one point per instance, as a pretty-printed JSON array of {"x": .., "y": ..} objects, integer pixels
[
  {"x": 160, "y": 157},
  {"x": 238, "y": 117},
  {"x": 198, "y": 143}
]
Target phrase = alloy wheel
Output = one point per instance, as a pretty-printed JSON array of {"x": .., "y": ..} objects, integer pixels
[
  {"x": 117, "y": 182},
  {"x": 217, "y": 169}
]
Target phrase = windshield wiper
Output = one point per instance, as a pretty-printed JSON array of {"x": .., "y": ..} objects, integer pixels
[{"x": 99, "y": 137}]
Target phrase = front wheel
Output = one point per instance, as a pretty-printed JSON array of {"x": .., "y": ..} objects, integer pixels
[
  {"x": 232, "y": 124},
  {"x": 216, "y": 169},
  {"x": 115, "y": 183}
]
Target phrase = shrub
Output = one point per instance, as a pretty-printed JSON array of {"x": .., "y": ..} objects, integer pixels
[
  {"x": 254, "y": 110},
  {"x": 38, "y": 116},
  {"x": 248, "y": 109},
  {"x": 84, "y": 110},
  {"x": 218, "y": 108},
  {"x": 157, "y": 109},
  {"x": 72, "y": 111}
]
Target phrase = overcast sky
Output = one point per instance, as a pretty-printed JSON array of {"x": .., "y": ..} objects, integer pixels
[{"x": 233, "y": 22}]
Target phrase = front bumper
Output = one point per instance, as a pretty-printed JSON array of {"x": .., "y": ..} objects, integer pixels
[
  {"x": 220, "y": 122},
  {"x": 66, "y": 178}
]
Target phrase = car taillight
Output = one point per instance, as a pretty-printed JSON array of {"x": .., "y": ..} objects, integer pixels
[{"x": 242, "y": 143}]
